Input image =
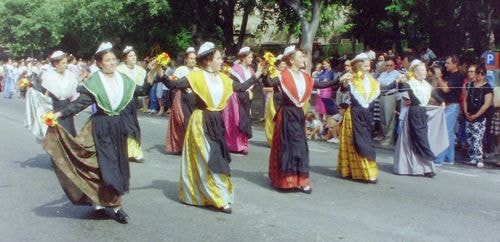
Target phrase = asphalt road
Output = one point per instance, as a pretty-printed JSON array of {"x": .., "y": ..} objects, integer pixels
[{"x": 459, "y": 204}]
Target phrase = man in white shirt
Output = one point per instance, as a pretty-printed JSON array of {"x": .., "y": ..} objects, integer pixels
[{"x": 388, "y": 100}]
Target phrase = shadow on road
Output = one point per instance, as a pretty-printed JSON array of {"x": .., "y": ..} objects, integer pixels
[
  {"x": 258, "y": 178},
  {"x": 159, "y": 148},
  {"x": 62, "y": 208},
  {"x": 170, "y": 189},
  {"x": 387, "y": 168},
  {"x": 41, "y": 161},
  {"x": 325, "y": 171},
  {"x": 259, "y": 143}
]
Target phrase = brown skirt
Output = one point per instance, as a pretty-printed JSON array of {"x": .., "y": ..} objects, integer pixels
[
  {"x": 75, "y": 164},
  {"x": 175, "y": 129}
]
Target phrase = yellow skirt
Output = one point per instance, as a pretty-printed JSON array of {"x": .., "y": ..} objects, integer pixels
[
  {"x": 350, "y": 163},
  {"x": 197, "y": 184},
  {"x": 270, "y": 112},
  {"x": 134, "y": 149}
]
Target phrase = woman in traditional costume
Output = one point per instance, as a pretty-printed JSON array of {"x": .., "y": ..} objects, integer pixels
[
  {"x": 273, "y": 101},
  {"x": 94, "y": 168},
  {"x": 60, "y": 85},
  {"x": 205, "y": 175},
  {"x": 135, "y": 72},
  {"x": 289, "y": 157},
  {"x": 416, "y": 146},
  {"x": 356, "y": 153},
  {"x": 182, "y": 106},
  {"x": 237, "y": 112}
]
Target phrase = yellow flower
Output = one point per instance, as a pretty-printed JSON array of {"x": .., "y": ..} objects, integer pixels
[
  {"x": 269, "y": 58},
  {"x": 410, "y": 75},
  {"x": 24, "y": 82},
  {"x": 49, "y": 119},
  {"x": 163, "y": 59}
]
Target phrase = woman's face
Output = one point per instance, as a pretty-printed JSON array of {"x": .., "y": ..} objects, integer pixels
[
  {"x": 366, "y": 66},
  {"x": 61, "y": 66},
  {"x": 471, "y": 73},
  {"x": 480, "y": 76},
  {"x": 108, "y": 63},
  {"x": 131, "y": 58},
  {"x": 326, "y": 65},
  {"x": 216, "y": 63},
  {"x": 347, "y": 65},
  {"x": 298, "y": 59},
  {"x": 420, "y": 72},
  {"x": 248, "y": 60},
  {"x": 191, "y": 60}
]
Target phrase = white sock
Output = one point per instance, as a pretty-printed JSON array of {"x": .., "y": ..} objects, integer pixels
[
  {"x": 97, "y": 207},
  {"x": 116, "y": 209}
]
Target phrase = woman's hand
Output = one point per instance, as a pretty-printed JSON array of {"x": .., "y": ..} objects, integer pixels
[{"x": 346, "y": 78}]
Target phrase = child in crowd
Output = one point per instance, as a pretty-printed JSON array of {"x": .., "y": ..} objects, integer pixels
[
  {"x": 313, "y": 126},
  {"x": 333, "y": 124}
]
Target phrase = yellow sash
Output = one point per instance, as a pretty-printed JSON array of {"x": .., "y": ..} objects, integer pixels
[
  {"x": 369, "y": 96},
  {"x": 199, "y": 85}
]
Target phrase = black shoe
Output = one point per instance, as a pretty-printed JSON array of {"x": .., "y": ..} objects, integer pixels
[
  {"x": 430, "y": 174},
  {"x": 121, "y": 217},
  {"x": 373, "y": 181},
  {"x": 99, "y": 214}
]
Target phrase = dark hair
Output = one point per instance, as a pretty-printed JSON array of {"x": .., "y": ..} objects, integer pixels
[
  {"x": 327, "y": 61},
  {"x": 288, "y": 59},
  {"x": 454, "y": 59},
  {"x": 411, "y": 56},
  {"x": 125, "y": 54},
  {"x": 204, "y": 59},
  {"x": 343, "y": 105},
  {"x": 99, "y": 55},
  {"x": 71, "y": 58},
  {"x": 481, "y": 70},
  {"x": 244, "y": 55}
]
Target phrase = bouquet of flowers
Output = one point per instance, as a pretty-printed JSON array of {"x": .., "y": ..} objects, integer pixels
[
  {"x": 23, "y": 84},
  {"x": 225, "y": 68},
  {"x": 270, "y": 60},
  {"x": 163, "y": 59},
  {"x": 49, "y": 119}
]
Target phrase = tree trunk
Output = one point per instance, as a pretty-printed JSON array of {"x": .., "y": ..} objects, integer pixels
[
  {"x": 308, "y": 28},
  {"x": 247, "y": 9}
]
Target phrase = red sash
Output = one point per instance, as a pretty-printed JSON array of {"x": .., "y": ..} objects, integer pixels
[{"x": 290, "y": 89}]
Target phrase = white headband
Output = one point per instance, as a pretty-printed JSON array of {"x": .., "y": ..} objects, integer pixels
[{"x": 104, "y": 46}]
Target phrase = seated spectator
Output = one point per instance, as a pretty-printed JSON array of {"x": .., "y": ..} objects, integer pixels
[
  {"x": 313, "y": 126},
  {"x": 333, "y": 125}
]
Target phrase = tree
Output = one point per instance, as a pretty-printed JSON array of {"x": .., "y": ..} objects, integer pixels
[{"x": 30, "y": 27}]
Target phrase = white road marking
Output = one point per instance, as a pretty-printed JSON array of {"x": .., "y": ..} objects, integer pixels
[
  {"x": 318, "y": 150},
  {"x": 459, "y": 173}
]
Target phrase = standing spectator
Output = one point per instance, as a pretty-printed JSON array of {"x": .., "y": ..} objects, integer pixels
[
  {"x": 478, "y": 97},
  {"x": 388, "y": 100},
  {"x": 343, "y": 95},
  {"x": 324, "y": 101},
  {"x": 495, "y": 122},
  {"x": 449, "y": 88}
]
